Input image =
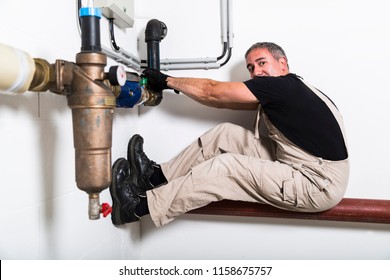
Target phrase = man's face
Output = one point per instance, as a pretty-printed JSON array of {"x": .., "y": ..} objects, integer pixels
[{"x": 260, "y": 62}]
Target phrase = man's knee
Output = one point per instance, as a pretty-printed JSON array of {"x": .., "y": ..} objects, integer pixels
[
  {"x": 225, "y": 128},
  {"x": 220, "y": 132}
]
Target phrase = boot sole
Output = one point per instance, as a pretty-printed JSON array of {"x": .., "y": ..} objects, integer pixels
[
  {"x": 133, "y": 168},
  {"x": 116, "y": 204}
]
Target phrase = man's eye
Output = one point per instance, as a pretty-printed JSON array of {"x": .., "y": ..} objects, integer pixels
[
  {"x": 250, "y": 69},
  {"x": 262, "y": 63}
]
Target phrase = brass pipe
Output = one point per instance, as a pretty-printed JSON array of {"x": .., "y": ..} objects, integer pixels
[
  {"x": 92, "y": 104},
  {"x": 91, "y": 99},
  {"x": 44, "y": 76}
]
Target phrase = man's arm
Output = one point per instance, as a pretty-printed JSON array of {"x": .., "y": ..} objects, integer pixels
[{"x": 230, "y": 95}]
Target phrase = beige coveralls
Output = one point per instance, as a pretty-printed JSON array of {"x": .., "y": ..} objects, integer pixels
[{"x": 233, "y": 163}]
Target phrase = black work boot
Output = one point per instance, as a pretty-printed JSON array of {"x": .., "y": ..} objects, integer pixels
[
  {"x": 142, "y": 168},
  {"x": 124, "y": 200}
]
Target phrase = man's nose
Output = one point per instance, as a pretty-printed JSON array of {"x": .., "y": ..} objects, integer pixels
[{"x": 257, "y": 71}]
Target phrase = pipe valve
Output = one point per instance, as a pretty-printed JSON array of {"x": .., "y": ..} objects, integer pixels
[
  {"x": 135, "y": 92},
  {"x": 95, "y": 209}
]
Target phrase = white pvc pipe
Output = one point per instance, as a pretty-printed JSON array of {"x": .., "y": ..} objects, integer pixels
[
  {"x": 188, "y": 60},
  {"x": 129, "y": 55},
  {"x": 206, "y": 63},
  {"x": 230, "y": 24},
  {"x": 134, "y": 62},
  {"x": 121, "y": 58},
  {"x": 205, "y": 66},
  {"x": 224, "y": 24},
  {"x": 17, "y": 69}
]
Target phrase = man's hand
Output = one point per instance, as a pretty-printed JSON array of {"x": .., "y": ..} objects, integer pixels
[{"x": 157, "y": 81}]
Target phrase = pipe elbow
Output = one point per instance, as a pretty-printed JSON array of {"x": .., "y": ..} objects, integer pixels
[{"x": 155, "y": 30}]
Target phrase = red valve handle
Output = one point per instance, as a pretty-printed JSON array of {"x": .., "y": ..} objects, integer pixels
[{"x": 106, "y": 209}]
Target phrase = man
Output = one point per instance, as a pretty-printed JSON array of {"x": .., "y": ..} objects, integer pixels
[{"x": 296, "y": 159}]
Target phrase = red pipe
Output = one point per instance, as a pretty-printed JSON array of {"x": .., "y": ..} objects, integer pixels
[{"x": 348, "y": 210}]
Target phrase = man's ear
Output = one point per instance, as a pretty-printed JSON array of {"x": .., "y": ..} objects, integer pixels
[{"x": 284, "y": 64}]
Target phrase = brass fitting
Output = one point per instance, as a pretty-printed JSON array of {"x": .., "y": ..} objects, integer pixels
[
  {"x": 92, "y": 104},
  {"x": 150, "y": 97},
  {"x": 44, "y": 76},
  {"x": 92, "y": 100}
]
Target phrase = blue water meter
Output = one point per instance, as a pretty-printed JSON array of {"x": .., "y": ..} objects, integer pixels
[{"x": 131, "y": 94}]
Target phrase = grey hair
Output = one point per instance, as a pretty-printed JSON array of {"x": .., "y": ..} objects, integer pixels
[{"x": 276, "y": 51}]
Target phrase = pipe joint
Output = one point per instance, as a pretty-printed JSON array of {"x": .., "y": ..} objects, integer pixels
[
  {"x": 92, "y": 104},
  {"x": 94, "y": 207},
  {"x": 135, "y": 92},
  {"x": 155, "y": 30},
  {"x": 92, "y": 63},
  {"x": 44, "y": 76}
]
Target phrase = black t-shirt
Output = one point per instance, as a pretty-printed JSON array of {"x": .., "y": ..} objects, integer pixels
[{"x": 300, "y": 115}]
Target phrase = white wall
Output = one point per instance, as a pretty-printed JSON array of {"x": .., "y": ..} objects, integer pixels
[
  {"x": 342, "y": 48},
  {"x": 339, "y": 46}
]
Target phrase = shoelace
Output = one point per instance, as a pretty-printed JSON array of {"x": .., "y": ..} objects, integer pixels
[
  {"x": 149, "y": 167},
  {"x": 129, "y": 191}
]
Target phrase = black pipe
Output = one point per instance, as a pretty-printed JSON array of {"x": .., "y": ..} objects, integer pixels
[
  {"x": 112, "y": 36},
  {"x": 155, "y": 31},
  {"x": 153, "y": 55},
  {"x": 90, "y": 30}
]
